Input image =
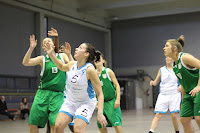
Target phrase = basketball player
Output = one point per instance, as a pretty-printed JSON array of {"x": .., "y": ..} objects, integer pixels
[
  {"x": 82, "y": 81},
  {"x": 111, "y": 92},
  {"x": 186, "y": 68},
  {"x": 169, "y": 97}
]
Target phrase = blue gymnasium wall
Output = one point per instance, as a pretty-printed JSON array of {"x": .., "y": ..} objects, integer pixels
[
  {"x": 139, "y": 43},
  {"x": 76, "y": 34},
  {"x": 16, "y": 26}
]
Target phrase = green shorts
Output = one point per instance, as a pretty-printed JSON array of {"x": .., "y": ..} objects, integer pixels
[
  {"x": 190, "y": 105},
  {"x": 45, "y": 107},
  {"x": 113, "y": 116}
]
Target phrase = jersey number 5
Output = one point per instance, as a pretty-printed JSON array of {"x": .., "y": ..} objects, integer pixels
[
  {"x": 74, "y": 79},
  {"x": 84, "y": 113}
]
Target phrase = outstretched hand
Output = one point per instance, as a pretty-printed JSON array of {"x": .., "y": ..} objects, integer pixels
[
  {"x": 33, "y": 42},
  {"x": 67, "y": 48},
  {"x": 53, "y": 32}
]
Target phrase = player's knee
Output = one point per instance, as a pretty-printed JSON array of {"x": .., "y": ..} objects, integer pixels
[
  {"x": 58, "y": 127},
  {"x": 32, "y": 127},
  {"x": 159, "y": 115},
  {"x": 78, "y": 129},
  {"x": 173, "y": 115},
  {"x": 197, "y": 119},
  {"x": 185, "y": 121}
]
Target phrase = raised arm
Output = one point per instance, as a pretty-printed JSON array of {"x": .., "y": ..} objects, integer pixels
[
  {"x": 67, "y": 51},
  {"x": 192, "y": 62},
  {"x": 115, "y": 82},
  {"x": 157, "y": 80},
  {"x": 53, "y": 32},
  {"x": 63, "y": 67},
  {"x": 65, "y": 58},
  {"x": 93, "y": 77},
  {"x": 28, "y": 61}
]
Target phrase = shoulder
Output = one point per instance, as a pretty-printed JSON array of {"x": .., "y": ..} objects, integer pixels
[
  {"x": 163, "y": 67},
  {"x": 40, "y": 57},
  {"x": 91, "y": 72},
  {"x": 63, "y": 55},
  {"x": 110, "y": 74},
  {"x": 186, "y": 56},
  {"x": 110, "y": 71},
  {"x": 91, "y": 69}
]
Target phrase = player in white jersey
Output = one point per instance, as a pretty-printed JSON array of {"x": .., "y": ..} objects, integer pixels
[
  {"x": 169, "y": 97},
  {"x": 80, "y": 97}
]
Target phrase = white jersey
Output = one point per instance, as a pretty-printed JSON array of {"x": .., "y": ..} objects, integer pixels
[
  {"x": 169, "y": 82},
  {"x": 79, "y": 88}
]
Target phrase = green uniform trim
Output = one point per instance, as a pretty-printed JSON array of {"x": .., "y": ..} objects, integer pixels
[
  {"x": 188, "y": 78},
  {"x": 108, "y": 87},
  {"x": 113, "y": 116},
  {"x": 52, "y": 78}
]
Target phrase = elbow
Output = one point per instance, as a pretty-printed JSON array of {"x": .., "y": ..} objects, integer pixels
[
  {"x": 100, "y": 95},
  {"x": 117, "y": 86},
  {"x": 23, "y": 63}
]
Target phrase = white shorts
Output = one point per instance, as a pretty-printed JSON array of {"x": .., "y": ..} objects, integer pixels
[
  {"x": 71, "y": 123},
  {"x": 168, "y": 101},
  {"x": 81, "y": 110}
]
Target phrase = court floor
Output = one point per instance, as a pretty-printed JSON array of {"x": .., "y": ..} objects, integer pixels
[{"x": 134, "y": 121}]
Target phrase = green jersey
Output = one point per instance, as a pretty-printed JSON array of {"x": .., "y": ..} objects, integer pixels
[
  {"x": 52, "y": 78},
  {"x": 188, "y": 77},
  {"x": 107, "y": 85}
]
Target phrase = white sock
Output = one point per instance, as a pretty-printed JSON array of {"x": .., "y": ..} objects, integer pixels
[{"x": 151, "y": 130}]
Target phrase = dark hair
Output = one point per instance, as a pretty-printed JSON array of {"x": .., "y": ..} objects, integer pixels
[
  {"x": 100, "y": 54},
  {"x": 92, "y": 53},
  {"x": 179, "y": 43},
  {"x": 23, "y": 100}
]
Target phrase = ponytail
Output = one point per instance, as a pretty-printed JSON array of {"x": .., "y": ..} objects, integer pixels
[{"x": 181, "y": 40}]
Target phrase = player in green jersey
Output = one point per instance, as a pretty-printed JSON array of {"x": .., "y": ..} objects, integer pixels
[
  {"x": 49, "y": 96},
  {"x": 186, "y": 68},
  {"x": 111, "y": 92}
]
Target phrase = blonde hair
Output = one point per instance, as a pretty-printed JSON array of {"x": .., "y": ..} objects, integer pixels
[{"x": 179, "y": 43}]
